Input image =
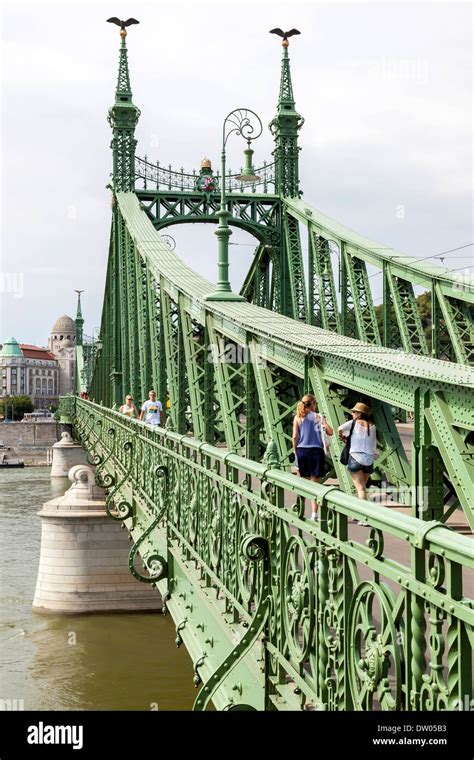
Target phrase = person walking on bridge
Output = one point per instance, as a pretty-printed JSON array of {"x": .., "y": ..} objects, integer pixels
[
  {"x": 308, "y": 443},
  {"x": 152, "y": 411},
  {"x": 363, "y": 443},
  {"x": 129, "y": 408}
]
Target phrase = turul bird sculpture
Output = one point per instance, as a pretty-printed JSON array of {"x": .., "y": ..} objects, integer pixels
[
  {"x": 283, "y": 34},
  {"x": 122, "y": 24}
]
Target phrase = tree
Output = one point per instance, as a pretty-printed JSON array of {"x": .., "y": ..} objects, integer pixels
[{"x": 14, "y": 407}]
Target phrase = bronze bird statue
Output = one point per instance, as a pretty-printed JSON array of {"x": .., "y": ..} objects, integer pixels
[
  {"x": 285, "y": 35},
  {"x": 122, "y": 24}
]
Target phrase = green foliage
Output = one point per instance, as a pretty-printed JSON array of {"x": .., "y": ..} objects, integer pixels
[
  {"x": 423, "y": 302},
  {"x": 15, "y": 407}
]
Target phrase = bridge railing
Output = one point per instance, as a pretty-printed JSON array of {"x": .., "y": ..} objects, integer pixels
[
  {"x": 336, "y": 616},
  {"x": 156, "y": 176}
]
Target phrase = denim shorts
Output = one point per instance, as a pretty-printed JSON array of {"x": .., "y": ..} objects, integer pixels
[{"x": 354, "y": 466}]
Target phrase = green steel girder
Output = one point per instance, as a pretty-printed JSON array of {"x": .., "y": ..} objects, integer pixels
[
  {"x": 294, "y": 265},
  {"x": 254, "y": 421},
  {"x": 229, "y": 386},
  {"x": 144, "y": 328},
  {"x": 131, "y": 376},
  {"x": 456, "y": 448},
  {"x": 278, "y": 394},
  {"x": 175, "y": 360},
  {"x": 156, "y": 348},
  {"x": 393, "y": 459},
  {"x": 253, "y": 213},
  {"x": 195, "y": 356},
  {"x": 257, "y": 284},
  {"x": 249, "y": 289},
  {"x": 348, "y": 321},
  {"x": 408, "y": 318},
  {"x": 365, "y": 317},
  {"x": 459, "y": 320},
  {"x": 324, "y": 311},
  {"x": 116, "y": 326},
  {"x": 427, "y": 465}
]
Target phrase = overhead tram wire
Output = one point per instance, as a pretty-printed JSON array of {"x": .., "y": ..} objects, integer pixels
[
  {"x": 424, "y": 258},
  {"x": 435, "y": 256}
]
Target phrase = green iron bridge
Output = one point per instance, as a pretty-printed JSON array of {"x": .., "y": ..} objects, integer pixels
[{"x": 278, "y": 612}]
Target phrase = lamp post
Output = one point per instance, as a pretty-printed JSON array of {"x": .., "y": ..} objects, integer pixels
[{"x": 246, "y": 123}]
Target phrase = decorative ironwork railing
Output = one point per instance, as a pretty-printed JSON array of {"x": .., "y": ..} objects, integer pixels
[
  {"x": 339, "y": 617},
  {"x": 155, "y": 176}
]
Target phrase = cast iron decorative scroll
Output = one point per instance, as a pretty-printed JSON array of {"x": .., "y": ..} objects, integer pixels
[{"x": 273, "y": 602}]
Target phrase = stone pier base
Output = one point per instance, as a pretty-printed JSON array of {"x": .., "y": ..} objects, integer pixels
[
  {"x": 66, "y": 454},
  {"x": 84, "y": 556}
]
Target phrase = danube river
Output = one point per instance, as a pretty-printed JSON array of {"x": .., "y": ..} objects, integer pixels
[{"x": 119, "y": 661}]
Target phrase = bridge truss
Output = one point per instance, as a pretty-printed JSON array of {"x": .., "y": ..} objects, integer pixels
[{"x": 278, "y": 612}]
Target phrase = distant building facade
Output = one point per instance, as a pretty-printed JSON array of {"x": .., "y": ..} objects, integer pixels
[{"x": 41, "y": 373}]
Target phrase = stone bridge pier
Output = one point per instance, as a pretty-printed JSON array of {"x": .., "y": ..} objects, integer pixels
[{"x": 84, "y": 555}]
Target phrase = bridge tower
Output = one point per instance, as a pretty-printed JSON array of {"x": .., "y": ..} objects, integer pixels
[
  {"x": 285, "y": 127},
  {"x": 79, "y": 320},
  {"x": 123, "y": 118}
]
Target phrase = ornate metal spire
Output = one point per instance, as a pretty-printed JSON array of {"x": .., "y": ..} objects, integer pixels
[
  {"x": 285, "y": 127},
  {"x": 286, "y": 100},
  {"x": 123, "y": 117},
  {"x": 79, "y": 319},
  {"x": 123, "y": 81}
]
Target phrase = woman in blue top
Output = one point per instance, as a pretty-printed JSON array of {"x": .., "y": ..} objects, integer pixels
[{"x": 308, "y": 443}]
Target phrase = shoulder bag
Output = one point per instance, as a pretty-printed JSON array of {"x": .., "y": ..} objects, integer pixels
[{"x": 344, "y": 458}]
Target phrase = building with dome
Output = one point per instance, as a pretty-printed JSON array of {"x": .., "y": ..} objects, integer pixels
[{"x": 41, "y": 373}]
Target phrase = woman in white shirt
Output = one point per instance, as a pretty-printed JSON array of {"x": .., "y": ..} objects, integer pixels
[
  {"x": 362, "y": 448},
  {"x": 129, "y": 408}
]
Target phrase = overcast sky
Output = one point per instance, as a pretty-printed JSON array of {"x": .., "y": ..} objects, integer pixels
[{"x": 385, "y": 90}]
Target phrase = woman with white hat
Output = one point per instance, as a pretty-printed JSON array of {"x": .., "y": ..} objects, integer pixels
[{"x": 363, "y": 443}]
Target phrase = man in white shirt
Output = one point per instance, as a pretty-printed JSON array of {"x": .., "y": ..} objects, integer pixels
[{"x": 152, "y": 411}]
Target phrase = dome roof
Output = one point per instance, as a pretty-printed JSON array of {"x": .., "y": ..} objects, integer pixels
[
  {"x": 64, "y": 325},
  {"x": 11, "y": 348}
]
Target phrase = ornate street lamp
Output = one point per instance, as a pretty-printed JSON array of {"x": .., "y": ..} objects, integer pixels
[{"x": 246, "y": 123}]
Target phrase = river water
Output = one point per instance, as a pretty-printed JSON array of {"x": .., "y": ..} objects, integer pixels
[{"x": 118, "y": 661}]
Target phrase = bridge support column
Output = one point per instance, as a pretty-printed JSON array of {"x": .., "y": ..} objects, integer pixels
[
  {"x": 427, "y": 466},
  {"x": 65, "y": 454},
  {"x": 84, "y": 555}
]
